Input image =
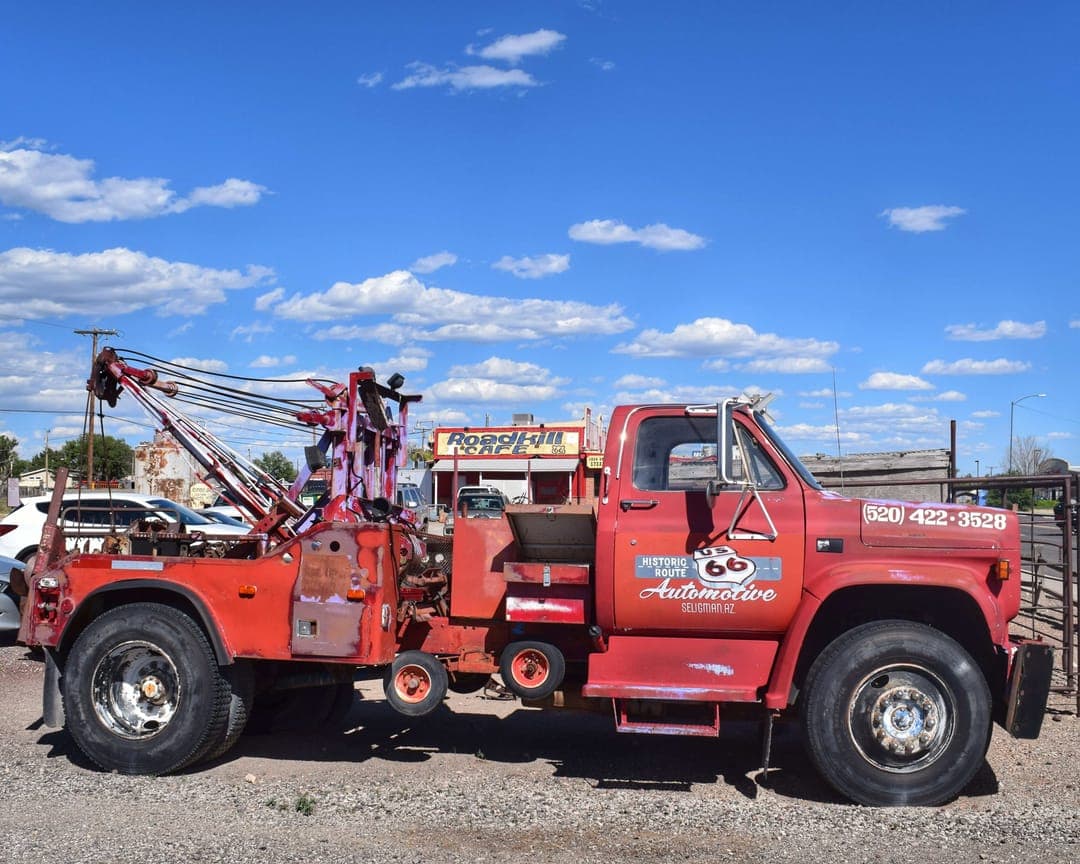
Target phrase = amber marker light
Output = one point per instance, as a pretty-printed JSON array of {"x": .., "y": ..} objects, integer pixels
[
  {"x": 247, "y": 591},
  {"x": 1001, "y": 569}
]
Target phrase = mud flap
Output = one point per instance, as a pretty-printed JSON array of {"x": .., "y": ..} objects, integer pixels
[
  {"x": 52, "y": 704},
  {"x": 1029, "y": 687}
]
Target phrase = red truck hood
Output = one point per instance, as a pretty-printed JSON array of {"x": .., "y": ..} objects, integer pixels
[{"x": 936, "y": 526}]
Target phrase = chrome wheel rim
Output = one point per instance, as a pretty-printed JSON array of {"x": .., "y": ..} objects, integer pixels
[
  {"x": 136, "y": 690},
  {"x": 901, "y": 718}
]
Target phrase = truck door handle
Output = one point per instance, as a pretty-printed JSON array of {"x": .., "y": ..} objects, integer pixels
[{"x": 638, "y": 503}]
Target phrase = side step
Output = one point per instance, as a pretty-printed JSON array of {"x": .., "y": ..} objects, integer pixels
[{"x": 668, "y": 726}]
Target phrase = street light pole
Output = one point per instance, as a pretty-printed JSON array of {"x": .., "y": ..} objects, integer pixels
[{"x": 1012, "y": 411}]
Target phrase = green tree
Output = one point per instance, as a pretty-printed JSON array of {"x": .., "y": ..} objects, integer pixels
[
  {"x": 10, "y": 463},
  {"x": 38, "y": 460},
  {"x": 112, "y": 457},
  {"x": 277, "y": 464}
]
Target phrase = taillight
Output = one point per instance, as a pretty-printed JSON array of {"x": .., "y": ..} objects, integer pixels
[{"x": 7, "y": 529}]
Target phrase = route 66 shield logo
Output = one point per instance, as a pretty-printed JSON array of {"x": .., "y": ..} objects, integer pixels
[{"x": 722, "y": 565}]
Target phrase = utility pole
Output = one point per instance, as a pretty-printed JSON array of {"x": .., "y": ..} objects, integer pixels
[{"x": 94, "y": 332}]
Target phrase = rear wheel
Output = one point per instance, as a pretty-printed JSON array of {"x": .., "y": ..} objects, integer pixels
[
  {"x": 416, "y": 683},
  {"x": 896, "y": 713},
  {"x": 142, "y": 690},
  {"x": 532, "y": 670}
]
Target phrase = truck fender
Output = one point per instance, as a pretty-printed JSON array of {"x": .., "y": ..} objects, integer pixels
[
  {"x": 779, "y": 694},
  {"x": 157, "y": 587}
]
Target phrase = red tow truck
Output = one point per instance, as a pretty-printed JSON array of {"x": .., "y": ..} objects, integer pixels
[{"x": 712, "y": 569}]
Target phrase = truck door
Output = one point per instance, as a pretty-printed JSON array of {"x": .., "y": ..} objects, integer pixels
[{"x": 679, "y": 563}]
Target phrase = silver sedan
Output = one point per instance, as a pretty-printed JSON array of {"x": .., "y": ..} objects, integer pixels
[{"x": 9, "y": 602}]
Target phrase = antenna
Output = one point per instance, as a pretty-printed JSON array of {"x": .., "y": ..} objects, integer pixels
[{"x": 836, "y": 422}]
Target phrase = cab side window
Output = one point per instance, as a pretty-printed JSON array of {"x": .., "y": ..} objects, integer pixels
[{"x": 678, "y": 454}]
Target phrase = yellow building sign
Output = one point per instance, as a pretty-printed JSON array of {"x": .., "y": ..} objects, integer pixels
[{"x": 511, "y": 442}]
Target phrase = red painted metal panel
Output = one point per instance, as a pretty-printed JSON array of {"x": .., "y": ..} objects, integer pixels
[
  {"x": 681, "y": 668},
  {"x": 563, "y": 604},
  {"x": 481, "y": 548},
  {"x": 553, "y": 574}
]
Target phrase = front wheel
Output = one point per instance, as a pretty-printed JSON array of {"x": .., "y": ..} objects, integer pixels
[
  {"x": 143, "y": 693},
  {"x": 416, "y": 683},
  {"x": 532, "y": 670},
  {"x": 896, "y": 713}
]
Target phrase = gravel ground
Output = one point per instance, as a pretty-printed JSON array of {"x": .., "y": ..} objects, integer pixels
[{"x": 492, "y": 781}]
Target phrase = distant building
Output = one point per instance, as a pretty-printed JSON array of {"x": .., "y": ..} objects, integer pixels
[
  {"x": 37, "y": 482},
  {"x": 163, "y": 467},
  {"x": 542, "y": 463},
  {"x": 881, "y": 470}
]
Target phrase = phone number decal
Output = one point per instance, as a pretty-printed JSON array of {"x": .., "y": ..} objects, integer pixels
[{"x": 933, "y": 517}]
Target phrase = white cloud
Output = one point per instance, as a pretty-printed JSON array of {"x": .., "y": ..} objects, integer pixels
[
  {"x": 265, "y": 361},
  {"x": 658, "y": 236},
  {"x": 248, "y": 331},
  {"x": 603, "y": 65},
  {"x": 420, "y": 313},
  {"x": 787, "y": 365},
  {"x": 951, "y": 396},
  {"x": 464, "y": 78},
  {"x": 513, "y": 48},
  {"x": 63, "y": 188},
  {"x": 40, "y": 283},
  {"x": 202, "y": 364},
  {"x": 1075, "y": 325},
  {"x": 895, "y": 381},
  {"x": 982, "y": 415},
  {"x": 534, "y": 268},
  {"x": 920, "y": 219},
  {"x": 372, "y": 79},
  {"x": 1004, "y": 330},
  {"x": 718, "y": 365},
  {"x": 707, "y": 337},
  {"x": 431, "y": 263},
  {"x": 632, "y": 381},
  {"x": 482, "y": 390},
  {"x": 409, "y": 360},
  {"x": 967, "y": 366},
  {"x": 702, "y": 394},
  {"x": 266, "y": 301},
  {"x": 502, "y": 369}
]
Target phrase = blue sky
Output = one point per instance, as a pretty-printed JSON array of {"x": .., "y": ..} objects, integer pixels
[{"x": 537, "y": 207}]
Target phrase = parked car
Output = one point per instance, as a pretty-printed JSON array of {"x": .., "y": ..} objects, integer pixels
[
  {"x": 215, "y": 515},
  {"x": 87, "y": 516},
  {"x": 481, "y": 505},
  {"x": 1059, "y": 515},
  {"x": 222, "y": 507},
  {"x": 409, "y": 497},
  {"x": 9, "y": 601}
]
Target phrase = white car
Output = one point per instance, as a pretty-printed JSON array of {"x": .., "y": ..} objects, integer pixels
[{"x": 89, "y": 515}]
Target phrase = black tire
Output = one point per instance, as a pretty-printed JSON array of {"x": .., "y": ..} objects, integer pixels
[
  {"x": 240, "y": 678},
  {"x": 469, "y": 682},
  {"x": 532, "y": 670},
  {"x": 896, "y": 713},
  {"x": 416, "y": 683},
  {"x": 142, "y": 690},
  {"x": 301, "y": 709}
]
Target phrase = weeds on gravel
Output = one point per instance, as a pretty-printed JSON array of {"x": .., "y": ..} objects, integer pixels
[{"x": 304, "y": 805}]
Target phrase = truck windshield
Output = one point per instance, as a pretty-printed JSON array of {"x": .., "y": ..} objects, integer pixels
[{"x": 791, "y": 458}]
